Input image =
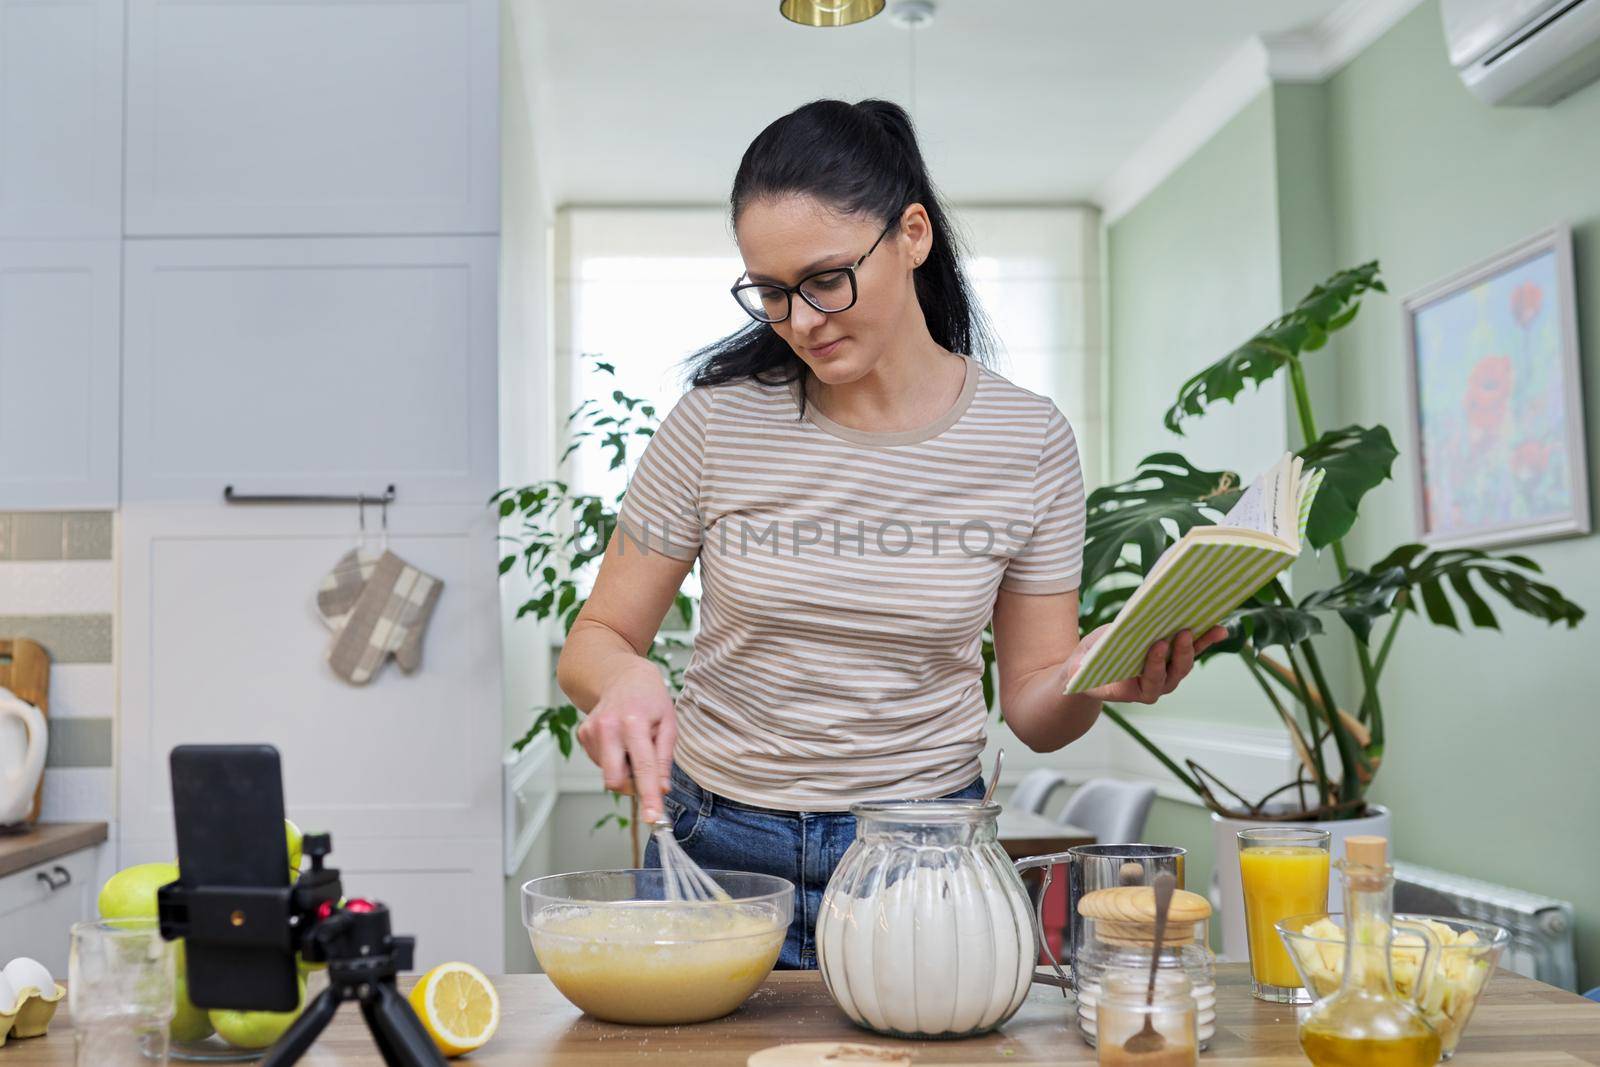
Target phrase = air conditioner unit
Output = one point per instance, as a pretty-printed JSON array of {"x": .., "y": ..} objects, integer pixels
[{"x": 1523, "y": 52}]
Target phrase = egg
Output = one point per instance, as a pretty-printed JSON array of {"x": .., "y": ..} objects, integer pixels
[
  {"x": 9, "y": 997},
  {"x": 22, "y": 972}
]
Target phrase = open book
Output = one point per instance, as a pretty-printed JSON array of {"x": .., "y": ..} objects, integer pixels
[{"x": 1207, "y": 573}]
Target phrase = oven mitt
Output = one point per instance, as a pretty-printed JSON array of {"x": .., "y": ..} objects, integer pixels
[
  {"x": 342, "y": 587},
  {"x": 389, "y": 616}
]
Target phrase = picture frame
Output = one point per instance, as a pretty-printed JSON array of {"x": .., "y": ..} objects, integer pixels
[{"x": 1495, "y": 398}]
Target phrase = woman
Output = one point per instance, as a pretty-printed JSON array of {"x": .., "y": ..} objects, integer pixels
[{"x": 864, "y": 495}]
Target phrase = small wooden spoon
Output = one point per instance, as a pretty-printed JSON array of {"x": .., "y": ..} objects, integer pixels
[{"x": 1147, "y": 1040}]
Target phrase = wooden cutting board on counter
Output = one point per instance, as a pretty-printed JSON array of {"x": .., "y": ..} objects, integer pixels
[{"x": 25, "y": 670}]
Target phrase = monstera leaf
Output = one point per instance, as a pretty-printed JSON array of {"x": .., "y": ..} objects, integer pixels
[
  {"x": 1360, "y": 600},
  {"x": 1304, "y": 328},
  {"x": 1357, "y": 460},
  {"x": 1149, "y": 511},
  {"x": 1265, "y": 625},
  {"x": 1428, "y": 574},
  {"x": 1101, "y": 601}
]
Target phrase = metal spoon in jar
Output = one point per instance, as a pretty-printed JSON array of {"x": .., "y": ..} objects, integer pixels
[
  {"x": 999, "y": 761},
  {"x": 1147, "y": 1040}
]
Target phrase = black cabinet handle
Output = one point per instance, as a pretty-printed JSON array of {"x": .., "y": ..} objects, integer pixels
[{"x": 57, "y": 877}]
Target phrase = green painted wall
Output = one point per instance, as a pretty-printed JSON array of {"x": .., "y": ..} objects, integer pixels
[
  {"x": 1193, "y": 270},
  {"x": 1493, "y": 736}
]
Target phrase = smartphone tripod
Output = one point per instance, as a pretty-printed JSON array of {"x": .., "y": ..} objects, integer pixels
[
  {"x": 353, "y": 938},
  {"x": 362, "y": 956}
]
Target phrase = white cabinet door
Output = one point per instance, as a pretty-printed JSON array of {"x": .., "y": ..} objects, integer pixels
[
  {"x": 39, "y": 904},
  {"x": 334, "y": 117},
  {"x": 404, "y": 772},
  {"x": 311, "y": 365},
  {"x": 61, "y": 118},
  {"x": 59, "y": 320}
]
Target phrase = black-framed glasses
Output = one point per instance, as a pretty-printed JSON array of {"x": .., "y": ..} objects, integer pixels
[{"x": 829, "y": 291}]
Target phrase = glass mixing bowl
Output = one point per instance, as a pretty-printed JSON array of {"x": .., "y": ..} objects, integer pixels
[
  {"x": 617, "y": 948},
  {"x": 1468, "y": 953}
]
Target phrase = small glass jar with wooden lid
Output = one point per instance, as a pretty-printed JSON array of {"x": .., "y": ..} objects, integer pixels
[{"x": 1119, "y": 930}]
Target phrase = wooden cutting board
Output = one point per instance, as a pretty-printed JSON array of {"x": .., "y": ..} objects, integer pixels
[{"x": 25, "y": 670}]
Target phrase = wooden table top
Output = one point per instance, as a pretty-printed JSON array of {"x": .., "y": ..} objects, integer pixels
[
  {"x": 1022, "y": 833},
  {"x": 1519, "y": 1023}
]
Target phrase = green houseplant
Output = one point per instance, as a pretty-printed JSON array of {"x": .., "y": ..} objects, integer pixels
[
  {"x": 557, "y": 535},
  {"x": 1340, "y": 746}
]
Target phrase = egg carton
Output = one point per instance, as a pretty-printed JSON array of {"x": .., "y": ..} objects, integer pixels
[{"x": 30, "y": 1009}]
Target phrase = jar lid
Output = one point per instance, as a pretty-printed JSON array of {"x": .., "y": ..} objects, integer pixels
[
  {"x": 1127, "y": 915},
  {"x": 1137, "y": 903},
  {"x": 1140, "y": 938}
]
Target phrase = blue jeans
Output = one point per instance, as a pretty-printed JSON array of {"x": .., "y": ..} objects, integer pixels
[{"x": 803, "y": 847}]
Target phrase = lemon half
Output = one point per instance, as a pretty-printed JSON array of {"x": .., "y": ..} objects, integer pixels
[{"x": 458, "y": 1007}]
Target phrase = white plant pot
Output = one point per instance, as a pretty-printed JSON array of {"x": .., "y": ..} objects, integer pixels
[{"x": 1227, "y": 892}]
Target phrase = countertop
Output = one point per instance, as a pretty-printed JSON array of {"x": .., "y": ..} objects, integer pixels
[
  {"x": 46, "y": 841},
  {"x": 1519, "y": 1023}
]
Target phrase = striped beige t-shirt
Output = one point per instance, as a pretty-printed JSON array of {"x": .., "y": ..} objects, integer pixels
[{"x": 847, "y": 579}]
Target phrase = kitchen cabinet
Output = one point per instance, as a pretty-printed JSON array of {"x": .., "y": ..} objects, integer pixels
[
  {"x": 59, "y": 321},
  {"x": 44, "y": 890},
  {"x": 404, "y": 772},
  {"x": 61, "y": 133},
  {"x": 338, "y": 117},
  {"x": 311, "y": 365}
]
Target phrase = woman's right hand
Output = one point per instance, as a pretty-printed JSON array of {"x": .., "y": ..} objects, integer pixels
[{"x": 630, "y": 734}]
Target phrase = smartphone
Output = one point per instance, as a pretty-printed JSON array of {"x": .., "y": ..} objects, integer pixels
[{"x": 228, "y": 808}]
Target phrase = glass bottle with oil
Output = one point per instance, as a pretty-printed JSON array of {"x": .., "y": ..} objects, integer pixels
[{"x": 1366, "y": 1022}]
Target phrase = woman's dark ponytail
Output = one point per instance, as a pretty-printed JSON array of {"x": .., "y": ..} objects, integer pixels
[{"x": 859, "y": 159}]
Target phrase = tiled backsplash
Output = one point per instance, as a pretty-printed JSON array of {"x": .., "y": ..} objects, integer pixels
[
  {"x": 55, "y": 535},
  {"x": 58, "y": 587}
]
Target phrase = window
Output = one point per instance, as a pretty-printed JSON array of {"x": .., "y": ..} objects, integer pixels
[
  {"x": 1036, "y": 271},
  {"x": 642, "y": 289}
]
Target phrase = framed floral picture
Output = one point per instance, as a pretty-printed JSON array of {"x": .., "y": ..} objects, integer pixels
[{"x": 1497, "y": 401}]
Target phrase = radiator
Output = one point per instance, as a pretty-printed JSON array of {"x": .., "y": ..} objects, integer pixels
[{"x": 1541, "y": 927}]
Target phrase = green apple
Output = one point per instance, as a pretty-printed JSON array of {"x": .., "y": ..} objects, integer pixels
[
  {"x": 189, "y": 1023},
  {"x": 296, "y": 845},
  {"x": 131, "y": 892},
  {"x": 255, "y": 1029}
]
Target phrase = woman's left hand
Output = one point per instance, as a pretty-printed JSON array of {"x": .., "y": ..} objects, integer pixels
[{"x": 1165, "y": 665}]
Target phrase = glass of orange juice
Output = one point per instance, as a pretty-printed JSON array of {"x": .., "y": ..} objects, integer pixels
[{"x": 1285, "y": 872}]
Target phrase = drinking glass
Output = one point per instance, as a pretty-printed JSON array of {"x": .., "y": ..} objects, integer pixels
[
  {"x": 1284, "y": 871},
  {"x": 120, "y": 990}
]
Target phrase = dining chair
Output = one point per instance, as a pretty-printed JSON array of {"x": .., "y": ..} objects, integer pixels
[
  {"x": 1111, "y": 809},
  {"x": 1033, "y": 792}
]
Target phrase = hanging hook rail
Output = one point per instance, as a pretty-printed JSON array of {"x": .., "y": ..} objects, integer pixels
[{"x": 387, "y": 496}]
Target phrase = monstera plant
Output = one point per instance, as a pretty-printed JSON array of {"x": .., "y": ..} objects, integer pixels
[{"x": 1281, "y": 639}]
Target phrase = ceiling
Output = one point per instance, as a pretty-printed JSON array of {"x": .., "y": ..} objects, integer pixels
[{"x": 654, "y": 101}]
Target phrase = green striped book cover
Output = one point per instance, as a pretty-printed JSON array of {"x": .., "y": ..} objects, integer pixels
[{"x": 1207, "y": 573}]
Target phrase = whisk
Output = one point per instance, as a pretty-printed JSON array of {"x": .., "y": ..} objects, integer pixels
[{"x": 682, "y": 879}]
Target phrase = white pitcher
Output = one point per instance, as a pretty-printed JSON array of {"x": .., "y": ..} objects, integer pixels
[
  {"x": 925, "y": 928},
  {"x": 23, "y": 738}
]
